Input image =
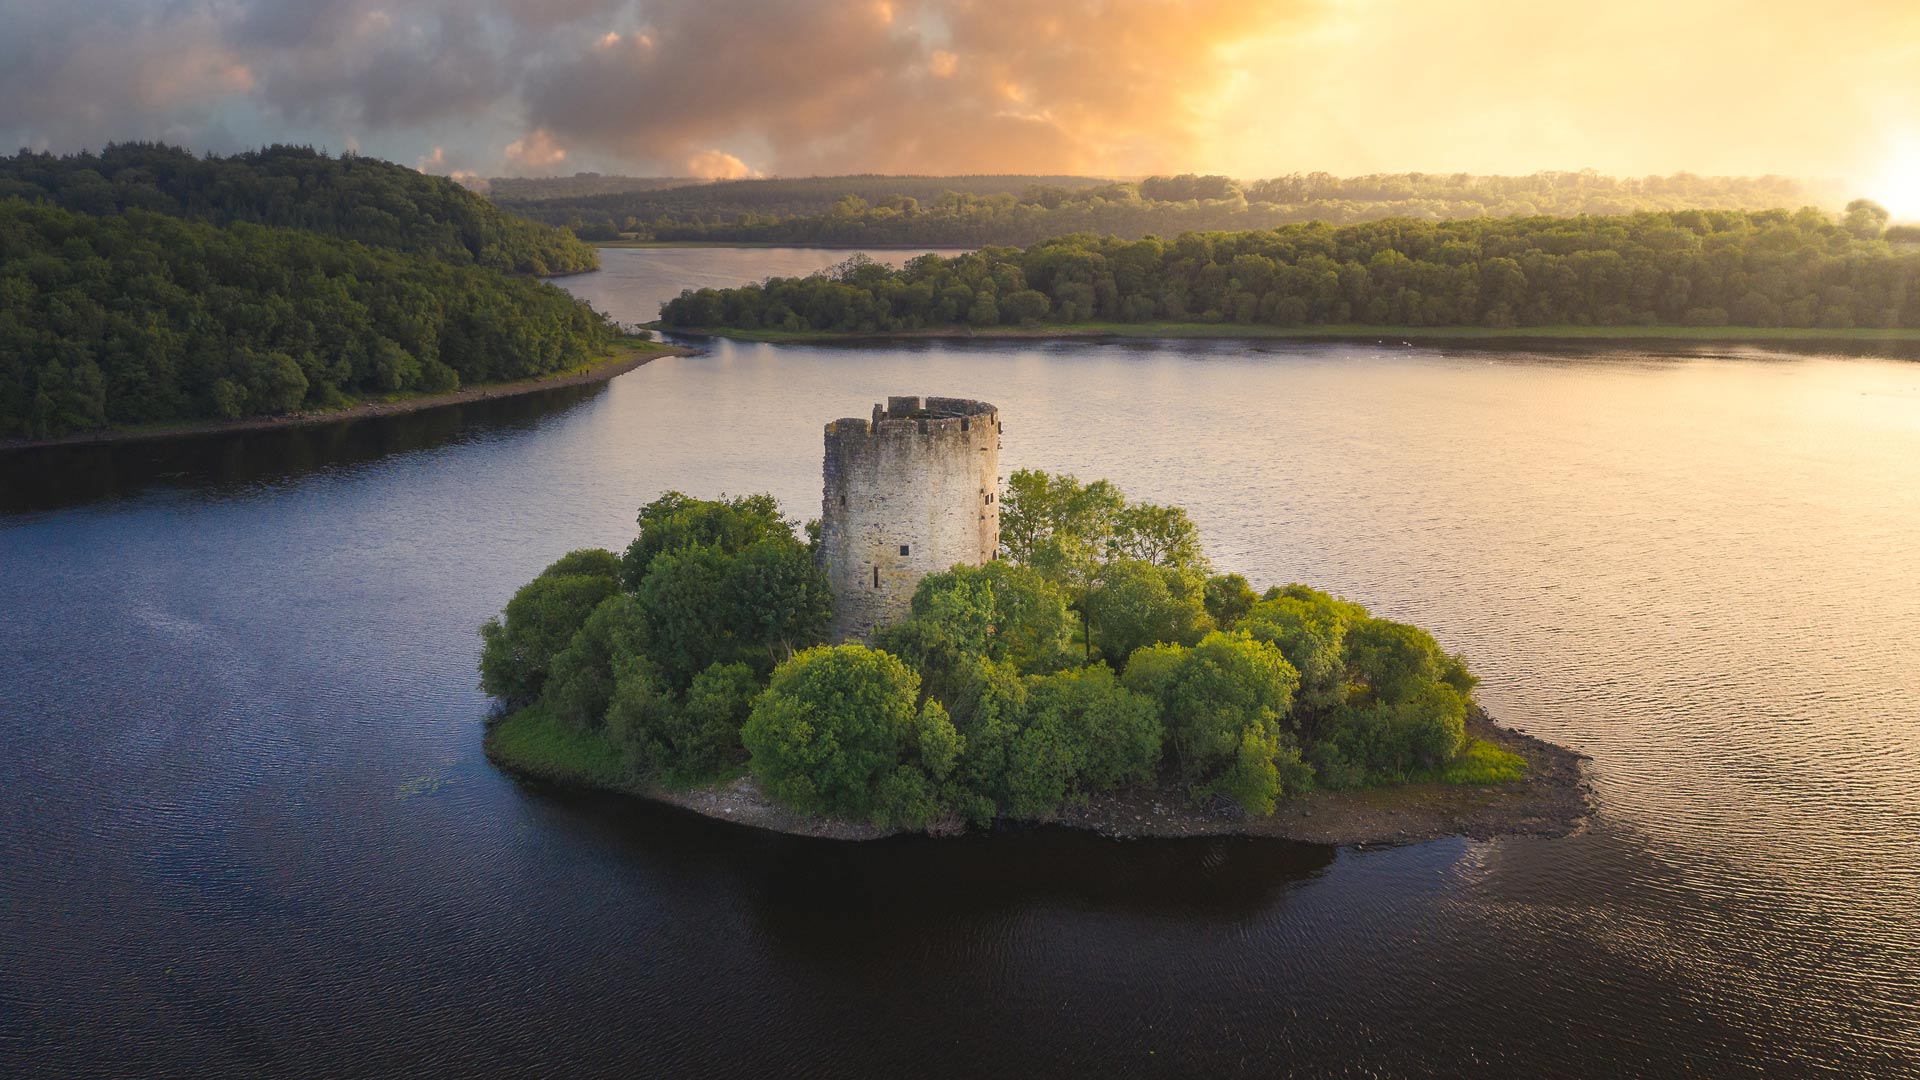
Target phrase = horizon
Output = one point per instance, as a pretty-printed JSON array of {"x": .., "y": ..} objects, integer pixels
[{"x": 1101, "y": 88}]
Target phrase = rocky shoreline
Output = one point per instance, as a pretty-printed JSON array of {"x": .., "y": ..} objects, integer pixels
[{"x": 1555, "y": 799}]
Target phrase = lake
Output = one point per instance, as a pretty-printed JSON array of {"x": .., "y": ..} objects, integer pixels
[{"x": 246, "y": 826}]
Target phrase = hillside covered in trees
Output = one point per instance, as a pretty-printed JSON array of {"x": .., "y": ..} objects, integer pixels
[
  {"x": 138, "y": 317},
  {"x": 1771, "y": 268},
  {"x": 356, "y": 198},
  {"x": 975, "y": 211}
]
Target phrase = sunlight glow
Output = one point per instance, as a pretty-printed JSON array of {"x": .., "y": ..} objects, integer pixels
[{"x": 1897, "y": 187}]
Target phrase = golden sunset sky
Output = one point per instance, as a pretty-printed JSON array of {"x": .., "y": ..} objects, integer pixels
[{"x": 1107, "y": 87}]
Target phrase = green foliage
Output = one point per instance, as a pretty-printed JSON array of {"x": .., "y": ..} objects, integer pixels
[
  {"x": 533, "y": 742},
  {"x": 1759, "y": 268},
  {"x": 833, "y": 724},
  {"x": 723, "y": 581},
  {"x": 1068, "y": 530},
  {"x": 1310, "y": 629},
  {"x": 580, "y": 678},
  {"x": 1136, "y": 603},
  {"x": 356, "y": 198},
  {"x": 540, "y": 621},
  {"x": 971, "y": 211},
  {"x": 1481, "y": 762},
  {"x": 675, "y": 521},
  {"x": 1001, "y": 612},
  {"x": 1228, "y": 598},
  {"x": 139, "y": 318}
]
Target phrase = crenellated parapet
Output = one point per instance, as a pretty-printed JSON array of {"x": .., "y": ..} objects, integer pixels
[{"x": 908, "y": 491}]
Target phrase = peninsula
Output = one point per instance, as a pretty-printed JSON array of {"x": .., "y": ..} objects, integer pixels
[
  {"x": 1699, "y": 274},
  {"x": 946, "y": 652}
]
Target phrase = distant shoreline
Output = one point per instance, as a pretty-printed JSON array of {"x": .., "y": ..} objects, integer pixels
[
  {"x": 624, "y": 358},
  {"x": 777, "y": 244},
  {"x": 1553, "y": 799},
  {"x": 1393, "y": 335}
]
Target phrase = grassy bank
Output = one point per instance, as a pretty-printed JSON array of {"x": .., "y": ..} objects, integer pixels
[
  {"x": 1343, "y": 332},
  {"x": 532, "y": 743},
  {"x": 1493, "y": 788}
]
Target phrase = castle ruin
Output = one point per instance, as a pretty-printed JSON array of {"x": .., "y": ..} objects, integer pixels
[{"x": 910, "y": 492}]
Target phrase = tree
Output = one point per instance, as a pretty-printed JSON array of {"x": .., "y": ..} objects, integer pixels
[
  {"x": 539, "y": 622},
  {"x": 1222, "y": 701},
  {"x": 838, "y": 721},
  {"x": 1866, "y": 219},
  {"x": 1136, "y": 603},
  {"x": 675, "y": 521},
  {"x": 580, "y": 679}
]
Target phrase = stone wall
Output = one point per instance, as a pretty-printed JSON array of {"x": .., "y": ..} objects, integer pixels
[{"x": 912, "y": 490}]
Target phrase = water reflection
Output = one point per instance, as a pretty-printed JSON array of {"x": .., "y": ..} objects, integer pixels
[{"x": 49, "y": 477}]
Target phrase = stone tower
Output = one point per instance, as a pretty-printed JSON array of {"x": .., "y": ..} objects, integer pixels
[{"x": 910, "y": 492}]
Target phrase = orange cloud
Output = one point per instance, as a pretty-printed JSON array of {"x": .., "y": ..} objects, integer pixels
[
  {"x": 718, "y": 165},
  {"x": 535, "y": 150}
]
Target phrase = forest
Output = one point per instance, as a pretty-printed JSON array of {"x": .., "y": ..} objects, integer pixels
[
  {"x": 1770, "y": 268},
  {"x": 976, "y": 211},
  {"x": 356, "y": 198},
  {"x": 138, "y": 317},
  {"x": 1100, "y": 652}
]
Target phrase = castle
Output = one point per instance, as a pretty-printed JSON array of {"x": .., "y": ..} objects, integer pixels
[{"x": 910, "y": 492}]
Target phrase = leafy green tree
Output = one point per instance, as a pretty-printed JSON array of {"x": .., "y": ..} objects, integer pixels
[
  {"x": 540, "y": 621},
  {"x": 835, "y": 723},
  {"x": 1214, "y": 697},
  {"x": 1136, "y": 603},
  {"x": 999, "y": 611},
  {"x": 1228, "y": 598},
  {"x": 774, "y": 600},
  {"x": 580, "y": 678},
  {"x": 675, "y": 521},
  {"x": 686, "y": 628}
]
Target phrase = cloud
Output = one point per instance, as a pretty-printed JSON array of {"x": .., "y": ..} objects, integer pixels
[
  {"x": 718, "y": 165},
  {"x": 1115, "y": 87},
  {"x": 536, "y": 151},
  {"x": 1074, "y": 85}
]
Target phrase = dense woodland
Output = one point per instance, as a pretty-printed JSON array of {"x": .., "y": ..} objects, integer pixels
[
  {"x": 357, "y": 198},
  {"x": 1100, "y": 652},
  {"x": 1694, "y": 267},
  {"x": 137, "y": 317},
  {"x": 975, "y": 211}
]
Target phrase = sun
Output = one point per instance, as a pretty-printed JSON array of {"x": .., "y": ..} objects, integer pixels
[{"x": 1897, "y": 186}]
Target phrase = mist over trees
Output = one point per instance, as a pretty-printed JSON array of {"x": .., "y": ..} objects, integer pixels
[
  {"x": 974, "y": 211},
  {"x": 1772, "y": 268},
  {"x": 356, "y": 198}
]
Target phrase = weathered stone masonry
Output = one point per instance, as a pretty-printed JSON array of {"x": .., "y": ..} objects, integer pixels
[{"x": 912, "y": 491}]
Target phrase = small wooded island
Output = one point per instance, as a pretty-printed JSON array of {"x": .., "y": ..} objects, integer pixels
[{"x": 939, "y": 653}]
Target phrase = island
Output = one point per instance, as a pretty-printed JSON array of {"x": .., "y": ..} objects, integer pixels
[
  {"x": 1768, "y": 275},
  {"x": 942, "y": 653}
]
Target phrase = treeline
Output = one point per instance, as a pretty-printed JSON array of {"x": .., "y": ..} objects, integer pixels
[
  {"x": 1100, "y": 653},
  {"x": 138, "y": 317},
  {"x": 1695, "y": 267},
  {"x": 508, "y": 190},
  {"x": 693, "y": 210},
  {"x": 855, "y": 211},
  {"x": 356, "y": 198}
]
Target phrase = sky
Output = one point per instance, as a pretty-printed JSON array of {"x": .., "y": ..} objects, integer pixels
[{"x": 720, "y": 88}]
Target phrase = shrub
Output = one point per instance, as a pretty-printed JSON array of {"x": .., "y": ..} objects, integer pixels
[
  {"x": 539, "y": 621},
  {"x": 1136, "y": 603},
  {"x": 835, "y": 723},
  {"x": 580, "y": 679}
]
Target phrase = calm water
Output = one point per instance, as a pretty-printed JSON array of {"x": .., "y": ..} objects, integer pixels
[{"x": 245, "y": 825}]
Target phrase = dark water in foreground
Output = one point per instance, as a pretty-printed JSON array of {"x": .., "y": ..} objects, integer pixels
[{"x": 245, "y": 826}]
